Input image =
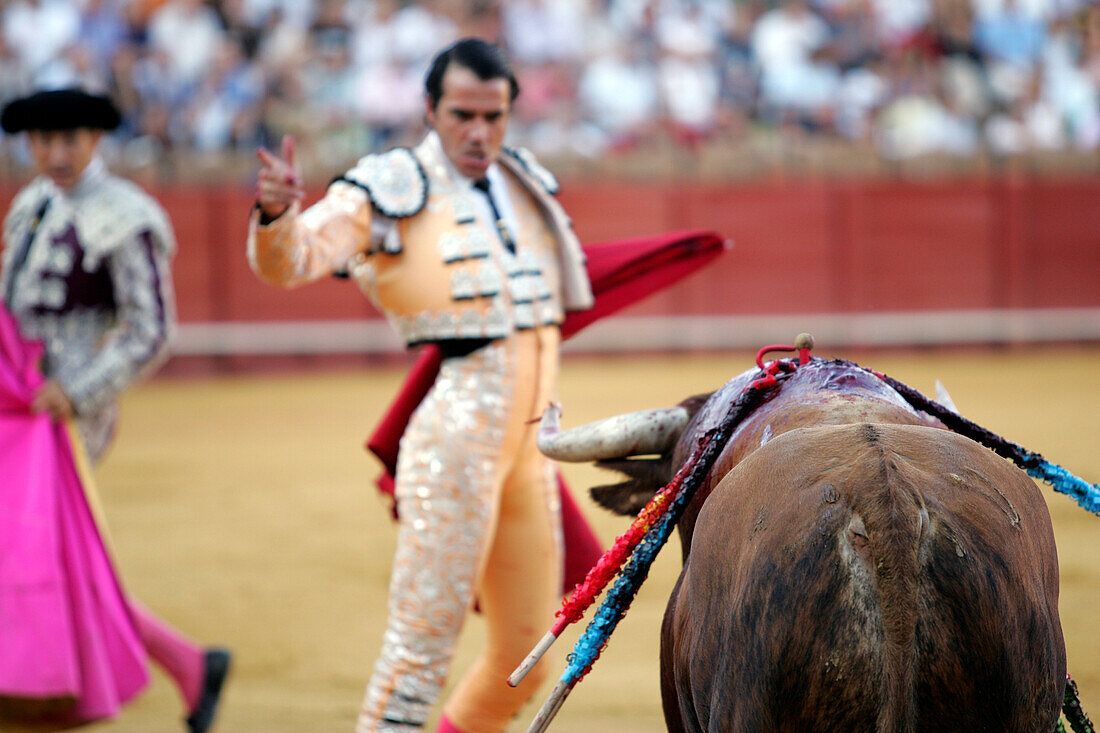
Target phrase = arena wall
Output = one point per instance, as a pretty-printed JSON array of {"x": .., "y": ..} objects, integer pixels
[{"x": 854, "y": 262}]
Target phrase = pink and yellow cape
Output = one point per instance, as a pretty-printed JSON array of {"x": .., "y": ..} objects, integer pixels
[{"x": 69, "y": 650}]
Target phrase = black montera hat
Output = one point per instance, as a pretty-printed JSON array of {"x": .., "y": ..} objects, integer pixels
[{"x": 60, "y": 109}]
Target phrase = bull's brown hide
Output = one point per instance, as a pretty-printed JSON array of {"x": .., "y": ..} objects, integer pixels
[{"x": 866, "y": 577}]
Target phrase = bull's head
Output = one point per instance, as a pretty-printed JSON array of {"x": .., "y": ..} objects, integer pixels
[{"x": 640, "y": 445}]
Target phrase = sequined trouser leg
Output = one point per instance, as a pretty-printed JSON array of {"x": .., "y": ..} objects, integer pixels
[{"x": 479, "y": 516}]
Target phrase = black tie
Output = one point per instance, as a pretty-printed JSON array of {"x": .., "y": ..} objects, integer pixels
[{"x": 502, "y": 228}]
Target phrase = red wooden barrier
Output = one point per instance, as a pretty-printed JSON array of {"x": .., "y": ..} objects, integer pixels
[{"x": 815, "y": 247}]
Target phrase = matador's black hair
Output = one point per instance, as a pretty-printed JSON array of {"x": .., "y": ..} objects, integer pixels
[{"x": 486, "y": 60}]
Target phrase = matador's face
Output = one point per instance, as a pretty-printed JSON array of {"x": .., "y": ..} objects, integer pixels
[
  {"x": 63, "y": 154},
  {"x": 471, "y": 118}
]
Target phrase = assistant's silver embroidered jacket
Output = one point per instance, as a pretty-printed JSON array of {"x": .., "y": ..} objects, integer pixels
[{"x": 95, "y": 288}]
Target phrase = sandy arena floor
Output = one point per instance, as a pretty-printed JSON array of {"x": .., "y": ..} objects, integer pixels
[{"x": 242, "y": 509}]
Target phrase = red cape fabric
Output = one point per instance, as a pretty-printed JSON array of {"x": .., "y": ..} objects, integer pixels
[{"x": 622, "y": 272}]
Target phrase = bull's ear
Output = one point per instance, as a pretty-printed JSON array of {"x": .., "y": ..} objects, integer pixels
[
  {"x": 626, "y": 499},
  {"x": 646, "y": 476},
  {"x": 694, "y": 403}
]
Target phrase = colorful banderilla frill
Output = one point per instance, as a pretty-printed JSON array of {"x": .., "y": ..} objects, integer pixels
[{"x": 647, "y": 535}]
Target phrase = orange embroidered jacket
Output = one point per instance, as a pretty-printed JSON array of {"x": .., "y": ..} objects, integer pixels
[{"x": 406, "y": 230}]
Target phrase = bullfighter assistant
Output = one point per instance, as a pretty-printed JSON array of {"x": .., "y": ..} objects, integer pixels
[{"x": 86, "y": 272}]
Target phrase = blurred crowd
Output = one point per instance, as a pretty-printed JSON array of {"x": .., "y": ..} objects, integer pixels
[{"x": 904, "y": 78}]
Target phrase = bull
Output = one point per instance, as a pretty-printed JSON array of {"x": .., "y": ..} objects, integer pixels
[{"x": 848, "y": 564}]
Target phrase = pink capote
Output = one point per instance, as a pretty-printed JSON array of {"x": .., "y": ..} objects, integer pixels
[
  {"x": 68, "y": 645},
  {"x": 621, "y": 272}
]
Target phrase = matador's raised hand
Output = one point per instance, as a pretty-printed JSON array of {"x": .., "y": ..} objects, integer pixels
[{"x": 279, "y": 183}]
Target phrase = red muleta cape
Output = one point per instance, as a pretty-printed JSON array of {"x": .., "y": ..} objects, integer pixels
[{"x": 622, "y": 272}]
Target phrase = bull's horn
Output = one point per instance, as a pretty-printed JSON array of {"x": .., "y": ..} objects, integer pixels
[
  {"x": 944, "y": 398},
  {"x": 633, "y": 434}
]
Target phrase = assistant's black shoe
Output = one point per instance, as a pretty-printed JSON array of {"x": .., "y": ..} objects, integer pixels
[{"x": 215, "y": 670}]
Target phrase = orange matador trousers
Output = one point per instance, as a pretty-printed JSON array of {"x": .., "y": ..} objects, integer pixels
[{"x": 479, "y": 518}]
